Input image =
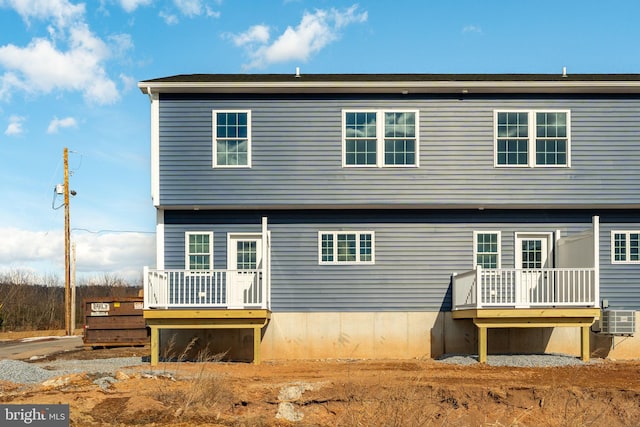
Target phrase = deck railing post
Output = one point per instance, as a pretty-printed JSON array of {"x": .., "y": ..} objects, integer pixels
[
  {"x": 145, "y": 286},
  {"x": 596, "y": 260},
  {"x": 266, "y": 265},
  {"x": 454, "y": 293},
  {"x": 479, "y": 301}
]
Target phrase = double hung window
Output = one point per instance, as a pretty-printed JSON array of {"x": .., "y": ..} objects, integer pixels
[
  {"x": 231, "y": 138},
  {"x": 374, "y": 138},
  {"x": 532, "y": 138},
  {"x": 486, "y": 249},
  {"x": 625, "y": 247},
  {"x": 346, "y": 247},
  {"x": 198, "y": 251}
]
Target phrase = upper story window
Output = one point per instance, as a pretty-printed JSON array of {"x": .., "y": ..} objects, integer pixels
[
  {"x": 486, "y": 249},
  {"x": 532, "y": 138},
  {"x": 198, "y": 250},
  {"x": 625, "y": 247},
  {"x": 380, "y": 138},
  {"x": 231, "y": 138},
  {"x": 346, "y": 247}
]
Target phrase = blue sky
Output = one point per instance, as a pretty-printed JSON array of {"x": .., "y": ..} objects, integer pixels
[{"x": 68, "y": 75}]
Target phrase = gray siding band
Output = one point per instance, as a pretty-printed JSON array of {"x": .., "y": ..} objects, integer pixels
[{"x": 416, "y": 253}]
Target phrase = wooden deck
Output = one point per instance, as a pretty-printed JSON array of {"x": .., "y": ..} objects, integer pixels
[
  {"x": 485, "y": 318},
  {"x": 158, "y": 319}
]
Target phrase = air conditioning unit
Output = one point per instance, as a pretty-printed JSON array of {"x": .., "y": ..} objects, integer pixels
[{"x": 618, "y": 322}]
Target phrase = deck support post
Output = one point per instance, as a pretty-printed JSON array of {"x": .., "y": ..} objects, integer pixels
[
  {"x": 584, "y": 342},
  {"x": 482, "y": 344},
  {"x": 257, "y": 337},
  {"x": 155, "y": 346}
]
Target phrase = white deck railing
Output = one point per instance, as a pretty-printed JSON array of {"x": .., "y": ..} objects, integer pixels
[
  {"x": 523, "y": 288},
  {"x": 205, "y": 289}
]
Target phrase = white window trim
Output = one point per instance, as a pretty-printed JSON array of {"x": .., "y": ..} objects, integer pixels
[
  {"x": 214, "y": 123},
  {"x": 186, "y": 247},
  {"x": 531, "y": 153},
  {"x": 234, "y": 237},
  {"x": 475, "y": 246},
  {"x": 517, "y": 256},
  {"x": 379, "y": 137},
  {"x": 628, "y": 253},
  {"x": 335, "y": 247}
]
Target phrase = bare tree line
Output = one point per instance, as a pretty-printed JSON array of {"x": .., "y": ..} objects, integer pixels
[{"x": 31, "y": 302}]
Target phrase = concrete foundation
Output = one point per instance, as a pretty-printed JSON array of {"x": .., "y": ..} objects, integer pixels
[{"x": 380, "y": 335}]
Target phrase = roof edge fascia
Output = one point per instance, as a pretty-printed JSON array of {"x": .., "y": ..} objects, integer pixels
[
  {"x": 418, "y": 206},
  {"x": 399, "y": 87}
]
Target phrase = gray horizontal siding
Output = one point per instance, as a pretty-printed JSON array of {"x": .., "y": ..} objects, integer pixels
[
  {"x": 416, "y": 253},
  {"x": 297, "y": 155},
  {"x": 619, "y": 283}
]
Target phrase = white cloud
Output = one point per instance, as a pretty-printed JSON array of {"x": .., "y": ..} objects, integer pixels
[
  {"x": 15, "y": 126},
  {"x": 255, "y": 34},
  {"x": 193, "y": 8},
  {"x": 169, "y": 18},
  {"x": 132, "y": 5},
  {"x": 120, "y": 44},
  {"x": 315, "y": 31},
  {"x": 57, "y": 123},
  {"x": 23, "y": 245},
  {"x": 62, "y": 12},
  {"x": 70, "y": 58},
  {"x": 124, "y": 254},
  {"x": 472, "y": 29},
  {"x": 212, "y": 13},
  {"x": 128, "y": 81},
  {"x": 42, "y": 68},
  {"x": 190, "y": 9}
]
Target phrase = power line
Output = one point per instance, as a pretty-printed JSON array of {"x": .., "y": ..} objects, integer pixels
[{"x": 112, "y": 231}]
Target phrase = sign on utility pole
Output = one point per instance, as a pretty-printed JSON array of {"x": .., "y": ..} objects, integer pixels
[{"x": 69, "y": 328}]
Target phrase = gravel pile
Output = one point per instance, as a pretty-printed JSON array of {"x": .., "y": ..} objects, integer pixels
[
  {"x": 32, "y": 373},
  {"x": 22, "y": 372},
  {"x": 515, "y": 360}
]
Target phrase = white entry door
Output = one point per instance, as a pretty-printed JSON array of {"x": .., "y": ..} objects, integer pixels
[
  {"x": 532, "y": 255},
  {"x": 244, "y": 264}
]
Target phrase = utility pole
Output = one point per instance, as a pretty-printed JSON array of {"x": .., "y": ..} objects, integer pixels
[
  {"x": 67, "y": 249},
  {"x": 73, "y": 288}
]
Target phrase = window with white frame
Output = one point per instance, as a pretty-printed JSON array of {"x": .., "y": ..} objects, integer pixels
[
  {"x": 532, "y": 138},
  {"x": 231, "y": 138},
  {"x": 346, "y": 247},
  {"x": 625, "y": 247},
  {"x": 486, "y": 249},
  {"x": 373, "y": 138},
  {"x": 198, "y": 250}
]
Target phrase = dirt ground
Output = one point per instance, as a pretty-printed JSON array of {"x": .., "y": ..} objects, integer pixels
[{"x": 342, "y": 393}]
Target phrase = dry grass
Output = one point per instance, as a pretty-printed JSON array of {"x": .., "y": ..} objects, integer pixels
[{"x": 194, "y": 395}]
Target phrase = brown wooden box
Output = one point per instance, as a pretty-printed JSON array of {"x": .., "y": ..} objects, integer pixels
[{"x": 113, "y": 321}]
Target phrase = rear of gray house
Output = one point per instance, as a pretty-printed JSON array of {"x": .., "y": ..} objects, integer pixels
[{"x": 395, "y": 215}]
